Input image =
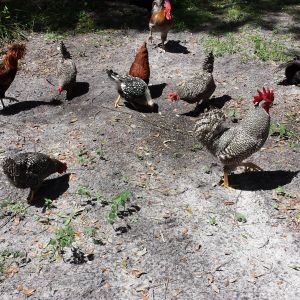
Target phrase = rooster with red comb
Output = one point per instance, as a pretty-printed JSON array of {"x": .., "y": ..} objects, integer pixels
[{"x": 232, "y": 145}]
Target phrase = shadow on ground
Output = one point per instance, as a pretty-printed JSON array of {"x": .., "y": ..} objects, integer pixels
[
  {"x": 52, "y": 189},
  {"x": 266, "y": 180},
  {"x": 16, "y": 108}
]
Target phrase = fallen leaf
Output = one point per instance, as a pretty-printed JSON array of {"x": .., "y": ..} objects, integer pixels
[
  {"x": 177, "y": 292},
  {"x": 137, "y": 273},
  {"x": 228, "y": 202},
  {"x": 141, "y": 252},
  {"x": 145, "y": 295},
  {"x": 215, "y": 288},
  {"x": 74, "y": 120},
  {"x": 11, "y": 271},
  {"x": 185, "y": 231},
  {"x": 29, "y": 292},
  {"x": 72, "y": 177},
  {"x": 107, "y": 285}
]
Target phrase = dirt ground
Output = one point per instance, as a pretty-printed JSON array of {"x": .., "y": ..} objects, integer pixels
[{"x": 180, "y": 236}]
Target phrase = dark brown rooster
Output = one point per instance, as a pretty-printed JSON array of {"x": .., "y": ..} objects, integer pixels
[
  {"x": 9, "y": 67},
  {"x": 28, "y": 170},
  {"x": 140, "y": 66}
]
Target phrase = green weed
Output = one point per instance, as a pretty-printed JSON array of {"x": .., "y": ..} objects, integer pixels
[
  {"x": 12, "y": 207},
  {"x": 240, "y": 218},
  {"x": 83, "y": 191},
  {"x": 64, "y": 237},
  {"x": 116, "y": 201}
]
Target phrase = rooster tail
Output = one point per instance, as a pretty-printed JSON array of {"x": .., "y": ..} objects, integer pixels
[
  {"x": 208, "y": 63},
  {"x": 64, "y": 52},
  {"x": 113, "y": 75},
  {"x": 210, "y": 126}
]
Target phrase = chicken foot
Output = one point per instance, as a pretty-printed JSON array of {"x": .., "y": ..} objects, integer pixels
[{"x": 117, "y": 102}]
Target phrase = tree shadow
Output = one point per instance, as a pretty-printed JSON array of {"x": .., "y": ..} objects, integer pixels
[
  {"x": 51, "y": 189},
  {"x": 18, "y": 107},
  {"x": 156, "y": 90},
  {"x": 265, "y": 180}
]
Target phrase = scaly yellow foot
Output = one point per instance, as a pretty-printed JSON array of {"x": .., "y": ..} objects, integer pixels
[
  {"x": 249, "y": 166},
  {"x": 117, "y": 102}
]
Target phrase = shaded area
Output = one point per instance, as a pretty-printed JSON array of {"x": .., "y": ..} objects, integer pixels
[
  {"x": 265, "y": 180},
  {"x": 215, "y": 102},
  {"x": 86, "y": 16},
  {"x": 176, "y": 47},
  {"x": 52, "y": 189},
  {"x": 156, "y": 90},
  {"x": 16, "y": 108}
]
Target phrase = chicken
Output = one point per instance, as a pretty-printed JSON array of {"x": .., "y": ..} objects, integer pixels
[
  {"x": 292, "y": 70},
  {"x": 200, "y": 87},
  {"x": 140, "y": 67},
  {"x": 232, "y": 145},
  {"x": 132, "y": 89},
  {"x": 9, "y": 67},
  {"x": 66, "y": 71},
  {"x": 28, "y": 170},
  {"x": 161, "y": 19}
]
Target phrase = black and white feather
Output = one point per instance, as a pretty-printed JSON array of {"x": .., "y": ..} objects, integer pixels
[
  {"x": 66, "y": 70},
  {"x": 132, "y": 89}
]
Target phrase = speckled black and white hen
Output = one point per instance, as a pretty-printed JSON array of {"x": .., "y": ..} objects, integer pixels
[
  {"x": 232, "y": 145},
  {"x": 200, "y": 87},
  {"x": 28, "y": 170},
  {"x": 133, "y": 89},
  {"x": 66, "y": 71}
]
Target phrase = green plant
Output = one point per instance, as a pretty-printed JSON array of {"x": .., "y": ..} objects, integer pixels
[
  {"x": 48, "y": 204},
  {"x": 116, "y": 201},
  {"x": 90, "y": 231},
  {"x": 12, "y": 207},
  {"x": 240, "y": 218},
  {"x": 281, "y": 191},
  {"x": 213, "y": 221},
  {"x": 83, "y": 191},
  {"x": 281, "y": 130},
  {"x": 85, "y": 22},
  {"x": 53, "y": 36},
  {"x": 64, "y": 237}
]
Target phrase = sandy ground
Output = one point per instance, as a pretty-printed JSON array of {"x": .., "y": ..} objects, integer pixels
[{"x": 179, "y": 237}]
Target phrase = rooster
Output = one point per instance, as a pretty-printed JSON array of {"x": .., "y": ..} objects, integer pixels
[
  {"x": 161, "y": 19},
  {"x": 200, "y": 87},
  {"x": 132, "y": 89},
  {"x": 140, "y": 67},
  {"x": 66, "y": 71},
  {"x": 233, "y": 145},
  {"x": 28, "y": 170},
  {"x": 292, "y": 70},
  {"x": 9, "y": 67}
]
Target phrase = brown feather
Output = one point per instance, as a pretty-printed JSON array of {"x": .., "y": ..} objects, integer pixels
[
  {"x": 140, "y": 66},
  {"x": 9, "y": 66}
]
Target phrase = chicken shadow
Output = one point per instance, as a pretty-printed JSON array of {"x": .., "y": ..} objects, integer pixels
[
  {"x": 176, "y": 47},
  {"x": 51, "y": 189},
  {"x": 265, "y": 180},
  {"x": 80, "y": 88},
  {"x": 142, "y": 109},
  {"x": 156, "y": 90},
  {"x": 18, "y": 107},
  {"x": 215, "y": 102},
  {"x": 287, "y": 82}
]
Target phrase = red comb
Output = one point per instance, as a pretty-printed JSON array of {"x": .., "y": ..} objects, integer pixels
[{"x": 266, "y": 94}]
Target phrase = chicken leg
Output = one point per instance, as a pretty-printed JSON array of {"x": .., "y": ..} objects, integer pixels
[
  {"x": 31, "y": 196},
  {"x": 2, "y": 103},
  {"x": 249, "y": 166},
  {"x": 117, "y": 102}
]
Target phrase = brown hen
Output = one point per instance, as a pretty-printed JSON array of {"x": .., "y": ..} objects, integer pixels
[
  {"x": 140, "y": 66},
  {"x": 9, "y": 67}
]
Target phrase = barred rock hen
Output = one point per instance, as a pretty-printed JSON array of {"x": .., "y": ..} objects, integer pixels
[
  {"x": 233, "y": 145},
  {"x": 140, "y": 67},
  {"x": 200, "y": 87},
  {"x": 28, "y": 170},
  {"x": 9, "y": 67},
  {"x": 66, "y": 71},
  {"x": 292, "y": 70},
  {"x": 161, "y": 19},
  {"x": 132, "y": 89}
]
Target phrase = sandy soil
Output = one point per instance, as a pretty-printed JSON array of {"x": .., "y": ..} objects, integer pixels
[{"x": 179, "y": 237}]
